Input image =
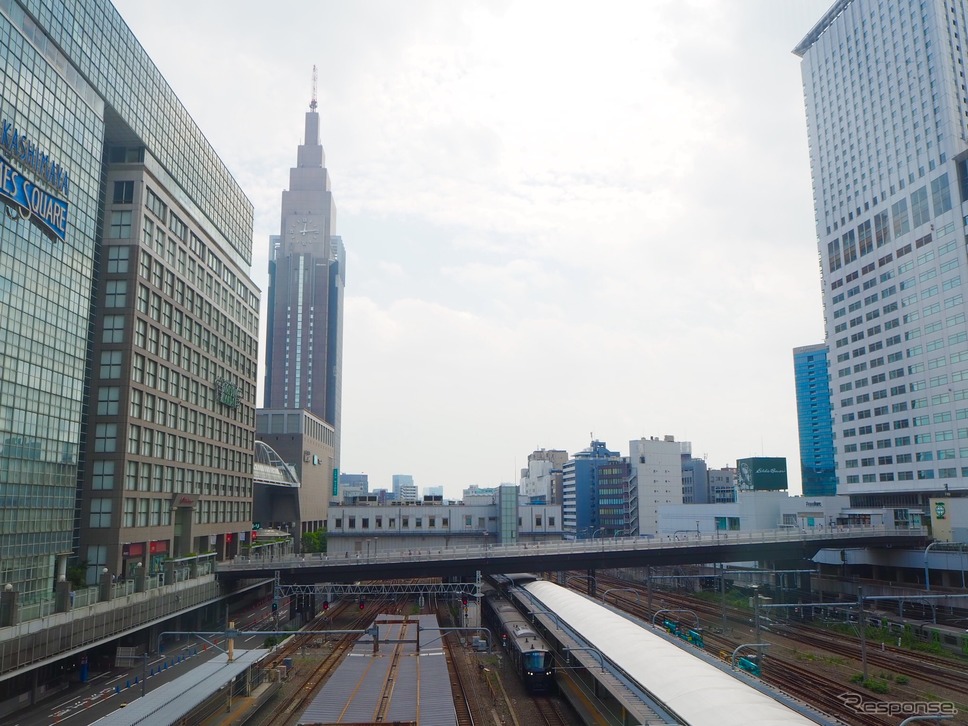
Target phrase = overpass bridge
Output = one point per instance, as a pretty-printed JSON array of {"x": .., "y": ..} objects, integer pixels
[{"x": 590, "y": 555}]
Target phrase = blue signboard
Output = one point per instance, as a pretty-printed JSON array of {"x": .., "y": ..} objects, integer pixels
[{"x": 34, "y": 203}]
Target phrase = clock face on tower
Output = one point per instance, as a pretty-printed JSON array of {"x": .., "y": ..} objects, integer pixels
[{"x": 303, "y": 230}]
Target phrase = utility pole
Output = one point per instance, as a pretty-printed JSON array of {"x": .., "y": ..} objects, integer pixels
[
  {"x": 722, "y": 589},
  {"x": 862, "y": 624}
]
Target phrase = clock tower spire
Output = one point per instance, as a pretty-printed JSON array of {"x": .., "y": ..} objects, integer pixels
[{"x": 312, "y": 103}]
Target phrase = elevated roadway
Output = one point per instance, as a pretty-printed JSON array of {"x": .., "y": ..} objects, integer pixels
[{"x": 768, "y": 546}]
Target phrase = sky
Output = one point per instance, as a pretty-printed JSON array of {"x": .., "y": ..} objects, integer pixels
[{"x": 563, "y": 221}]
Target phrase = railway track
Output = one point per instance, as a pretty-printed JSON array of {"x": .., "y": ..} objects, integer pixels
[
  {"x": 320, "y": 672},
  {"x": 785, "y": 672},
  {"x": 462, "y": 706},
  {"x": 548, "y": 710},
  {"x": 823, "y": 693}
]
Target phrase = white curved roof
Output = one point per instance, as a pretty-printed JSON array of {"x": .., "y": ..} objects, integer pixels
[{"x": 697, "y": 691}]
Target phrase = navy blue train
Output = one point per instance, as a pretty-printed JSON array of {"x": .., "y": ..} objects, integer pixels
[{"x": 533, "y": 661}]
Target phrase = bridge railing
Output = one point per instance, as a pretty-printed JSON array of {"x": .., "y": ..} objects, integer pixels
[{"x": 478, "y": 551}]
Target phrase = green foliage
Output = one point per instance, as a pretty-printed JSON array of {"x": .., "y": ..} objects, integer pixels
[
  {"x": 77, "y": 574},
  {"x": 314, "y": 541},
  {"x": 875, "y": 685}
]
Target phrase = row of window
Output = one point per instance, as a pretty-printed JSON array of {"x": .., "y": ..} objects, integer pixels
[
  {"x": 156, "y": 512},
  {"x": 919, "y": 475},
  {"x": 418, "y": 522},
  {"x": 145, "y": 477}
]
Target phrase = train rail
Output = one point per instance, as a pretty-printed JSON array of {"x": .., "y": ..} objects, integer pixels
[
  {"x": 548, "y": 710},
  {"x": 462, "y": 706},
  {"x": 833, "y": 696}
]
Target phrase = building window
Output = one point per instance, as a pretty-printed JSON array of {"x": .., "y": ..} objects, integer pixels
[
  {"x": 113, "y": 329},
  {"x": 115, "y": 293},
  {"x": 100, "y": 513},
  {"x": 110, "y": 367},
  {"x": 120, "y": 227},
  {"x": 118, "y": 259},
  {"x": 107, "y": 400},
  {"x": 103, "y": 475},
  {"x": 123, "y": 192}
]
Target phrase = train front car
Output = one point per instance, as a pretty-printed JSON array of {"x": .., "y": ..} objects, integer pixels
[
  {"x": 530, "y": 656},
  {"x": 534, "y": 662}
]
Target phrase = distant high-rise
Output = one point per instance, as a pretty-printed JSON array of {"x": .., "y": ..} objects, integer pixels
[
  {"x": 886, "y": 111},
  {"x": 307, "y": 270},
  {"x": 596, "y": 494},
  {"x": 818, "y": 472},
  {"x": 656, "y": 477},
  {"x": 304, "y": 335},
  {"x": 541, "y": 479}
]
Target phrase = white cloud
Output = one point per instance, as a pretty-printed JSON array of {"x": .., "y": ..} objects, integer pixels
[{"x": 560, "y": 219}]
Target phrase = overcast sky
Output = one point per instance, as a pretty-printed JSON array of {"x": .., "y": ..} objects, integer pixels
[{"x": 562, "y": 220}]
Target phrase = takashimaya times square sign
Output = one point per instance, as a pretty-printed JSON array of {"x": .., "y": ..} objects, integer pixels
[{"x": 24, "y": 196}]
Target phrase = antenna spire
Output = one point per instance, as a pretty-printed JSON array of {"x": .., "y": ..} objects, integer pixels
[{"x": 312, "y": 104}]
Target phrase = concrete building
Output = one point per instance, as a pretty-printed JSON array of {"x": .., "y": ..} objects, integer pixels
[
  {"x": 655, "y": 467},
  {"x": 403, "y": 488},
  {"x": 722, "y": 484},
  {"x": 353, "y": 485},
  {"x": 757, "y": 511},
  {"x": 818, "y": 470},
  {"x": 597, "y": 500},
  {"x": 695, "y": 481},
  {"x": 886, "y": 108},
  {"x": 307, "y": 444},
  {"x": 479, "y": 495},
  {"x": 369, "y": 529},
  {"x": 541, "y": 479}
]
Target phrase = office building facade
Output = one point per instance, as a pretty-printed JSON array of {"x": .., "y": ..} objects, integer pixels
[
  {"x": 886, "y": 111},
  {"x": 308, "y": 445},
  {"x": 541, "y": 479},
  {"x": 596, "y": 498},
  {"x": 818, "y": 471},
  {"x": 95, "y": 145},
  {"x": 656, "y": 473}
]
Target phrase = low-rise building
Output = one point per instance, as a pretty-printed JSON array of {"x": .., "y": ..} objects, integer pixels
[{"x": 369, "y": 528}]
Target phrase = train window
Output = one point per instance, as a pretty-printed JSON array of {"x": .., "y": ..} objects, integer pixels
[
  {"x": 535, "y": 660},
  {"x": 949, "y": 639}
]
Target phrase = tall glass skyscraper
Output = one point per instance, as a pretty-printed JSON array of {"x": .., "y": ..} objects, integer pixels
[
  {"x": 95, "y": 151},
  {"x": 817, "y": 466},
  {"x": 886, "y": 118}
]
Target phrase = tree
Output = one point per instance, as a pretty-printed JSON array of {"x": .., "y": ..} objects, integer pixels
[{"x": 314, "y": 541}]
